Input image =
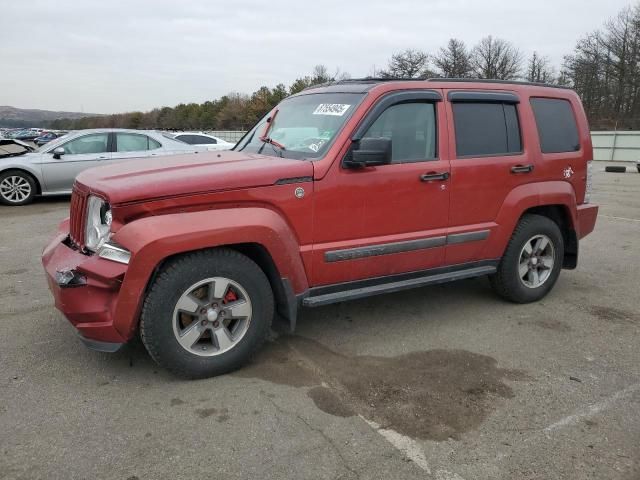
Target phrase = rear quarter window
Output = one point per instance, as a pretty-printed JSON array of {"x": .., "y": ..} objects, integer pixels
[{"x": 556, "y": 125}]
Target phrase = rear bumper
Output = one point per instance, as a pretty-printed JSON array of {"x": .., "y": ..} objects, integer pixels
[
  {"x": 586, "y": 215},
  {"x": 89, "y": 300}
]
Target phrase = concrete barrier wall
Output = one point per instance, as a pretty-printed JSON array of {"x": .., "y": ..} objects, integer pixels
[{"x": 616, "y": 146}]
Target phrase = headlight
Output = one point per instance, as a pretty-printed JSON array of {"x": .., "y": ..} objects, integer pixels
[{"x": 98, "y": 224}]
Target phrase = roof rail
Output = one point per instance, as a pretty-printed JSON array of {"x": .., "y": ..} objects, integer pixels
[
  {"x": 491, "y": 80},
  {"x": 435, "y": 79}
]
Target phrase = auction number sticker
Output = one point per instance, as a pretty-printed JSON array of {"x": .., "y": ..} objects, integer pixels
[{"x": 337, "y": 109}]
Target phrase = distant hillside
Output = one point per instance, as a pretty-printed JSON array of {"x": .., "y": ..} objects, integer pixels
[{"x": 23, "y": 117}]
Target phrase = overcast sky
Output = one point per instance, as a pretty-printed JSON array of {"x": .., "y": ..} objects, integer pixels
[{"x": 114, "y": 55}]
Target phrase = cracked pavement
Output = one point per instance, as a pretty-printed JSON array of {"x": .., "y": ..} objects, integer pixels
[{"x": 315, "y": 405}]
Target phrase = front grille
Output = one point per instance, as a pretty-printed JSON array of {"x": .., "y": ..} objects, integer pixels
[{"x": 77, "y": 217}]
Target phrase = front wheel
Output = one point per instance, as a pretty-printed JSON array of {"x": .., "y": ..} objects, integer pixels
[
  {"x": 16, "y": 188},
  {"x": 532, "y": 261},
  {"x": 207, "y": 313}
]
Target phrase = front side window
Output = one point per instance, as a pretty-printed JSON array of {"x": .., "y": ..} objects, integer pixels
[
  {"x": 304, "y": 125},
  {"x": 95, "y": 143},
  {"x": 131, "y": 142},
  {"x": 556, "y": 125},
  {"x": 486, "y": 129},
  {"x": 411, "y": 127}
]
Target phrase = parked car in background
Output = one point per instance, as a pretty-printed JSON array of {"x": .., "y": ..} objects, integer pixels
[
  {"x": 203, "y": 139},
  {"x": 52, "y": 169},
  {"x": 26, "y": 135},
  {"x": 46, "y": 138}
]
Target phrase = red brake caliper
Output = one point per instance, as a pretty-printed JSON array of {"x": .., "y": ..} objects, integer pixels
[{"x": 230, "y": 297}]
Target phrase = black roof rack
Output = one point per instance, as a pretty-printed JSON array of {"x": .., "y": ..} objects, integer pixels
[
  {"x": 490, "y": 80},
  {"x": 372, "y": 80}
]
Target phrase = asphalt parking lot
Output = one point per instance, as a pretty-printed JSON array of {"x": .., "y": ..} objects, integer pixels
[{"x": 448, "y": 382}]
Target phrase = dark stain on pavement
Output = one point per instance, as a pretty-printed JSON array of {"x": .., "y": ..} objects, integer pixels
[
  {"x": 436, "y": 394},
  {"x": 17, "y": 271},
  {"x": 614, "y": 315},
  {"x": 206, "y": 412},
  {"x": 176, "y": 401},
  {"x": 553, "y": 324}
]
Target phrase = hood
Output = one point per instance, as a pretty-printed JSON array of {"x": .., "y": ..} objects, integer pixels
[
  {"x": 11, "y": 147},
  {"x": 176, "y": 175}
]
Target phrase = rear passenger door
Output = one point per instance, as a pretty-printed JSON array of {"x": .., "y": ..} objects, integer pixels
[{"x": 488, "y": 161}]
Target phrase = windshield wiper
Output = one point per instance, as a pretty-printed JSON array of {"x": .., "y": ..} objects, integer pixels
[{"x": 264, "y": 138}]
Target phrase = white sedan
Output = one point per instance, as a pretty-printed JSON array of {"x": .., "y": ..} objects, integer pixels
[{"x": 203, "y": 139}]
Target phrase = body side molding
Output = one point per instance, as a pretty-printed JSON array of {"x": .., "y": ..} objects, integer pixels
[{"x": 405, "y": 246}]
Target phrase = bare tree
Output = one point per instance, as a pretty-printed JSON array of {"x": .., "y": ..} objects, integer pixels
[
  {"x": 408, "y": 64},
  {"x": 604, "y": 69},
  {"x": 454, "y": 60},
  {"x": 539, "y": 69},
  {"x": 496, "y": 59},
  {"x": 320, "y": 74}
]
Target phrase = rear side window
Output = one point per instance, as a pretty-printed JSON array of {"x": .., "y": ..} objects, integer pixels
[
  {"x": 484, "y": 129},
  {"x": 196, "y": 139},
  {"x": 131, "y": 142},
  {"x": 556, "y": 125}
]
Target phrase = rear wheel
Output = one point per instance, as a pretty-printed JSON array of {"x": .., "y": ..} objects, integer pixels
[
  {"x": 532, "y": 261},
  {"x": 207, "y": 313},
  {"x": 16, "y": 187}
]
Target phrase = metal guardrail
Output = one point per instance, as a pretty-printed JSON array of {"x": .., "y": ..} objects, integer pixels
[{"x": 616, "y": 146}]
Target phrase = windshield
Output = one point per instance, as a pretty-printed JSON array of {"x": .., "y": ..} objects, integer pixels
[{"x": 304, "y": 125}]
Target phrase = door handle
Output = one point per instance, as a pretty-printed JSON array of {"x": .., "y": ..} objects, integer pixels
[
  {"x": 102, "y": 158},
  {"x": 522, "y": 168},
  {"x": 431, "y": 176}
]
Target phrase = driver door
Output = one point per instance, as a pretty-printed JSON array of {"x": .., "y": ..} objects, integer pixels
[
  {"x": 80, "y": 153},
  {"x": 390, "y": 219}
]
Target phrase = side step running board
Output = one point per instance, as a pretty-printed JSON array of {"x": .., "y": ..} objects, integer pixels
[{"x": 342, "y": 296}]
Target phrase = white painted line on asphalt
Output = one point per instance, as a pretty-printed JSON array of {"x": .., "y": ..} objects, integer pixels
[
  {"x": 411, "y": 449},
  {"x": 593, "y": 409},
  {"x": 406, "y": 445},
  {"x": 620, "y": 218}
]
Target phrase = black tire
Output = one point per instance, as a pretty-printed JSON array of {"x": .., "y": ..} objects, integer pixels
[
  {"x": 26, "y": 180},
  {"x": 615, "y": 169},
  {"x": 177, "y": 276},
  {"x": 507, "y": 281},
  {"x": 638, "y": 167}
]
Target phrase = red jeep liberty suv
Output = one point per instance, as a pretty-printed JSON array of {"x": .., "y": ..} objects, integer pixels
[{"x": 345, "y": 190}]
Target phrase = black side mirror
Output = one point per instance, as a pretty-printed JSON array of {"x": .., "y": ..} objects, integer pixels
[
  {"x": 58, "y": 152},
  {"x": 370, "y": 152}
]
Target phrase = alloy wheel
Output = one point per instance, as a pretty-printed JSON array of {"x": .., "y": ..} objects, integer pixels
[
  {"x": 15, "y": 189},
  {"x": 536, "y": 261},
  {"x": 212, "y": 316}
]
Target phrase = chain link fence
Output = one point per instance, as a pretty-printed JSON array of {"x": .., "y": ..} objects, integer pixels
[{"x": 228, "y": 135}]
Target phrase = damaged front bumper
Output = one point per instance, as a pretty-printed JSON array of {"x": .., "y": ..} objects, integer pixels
[{"x": 85, "y": 289}]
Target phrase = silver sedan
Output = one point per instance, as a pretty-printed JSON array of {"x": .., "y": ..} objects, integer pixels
[{"x": 52, "y": 169}]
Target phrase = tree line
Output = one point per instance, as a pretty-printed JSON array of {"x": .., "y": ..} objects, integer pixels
[{"x": 604, "y": 68}]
